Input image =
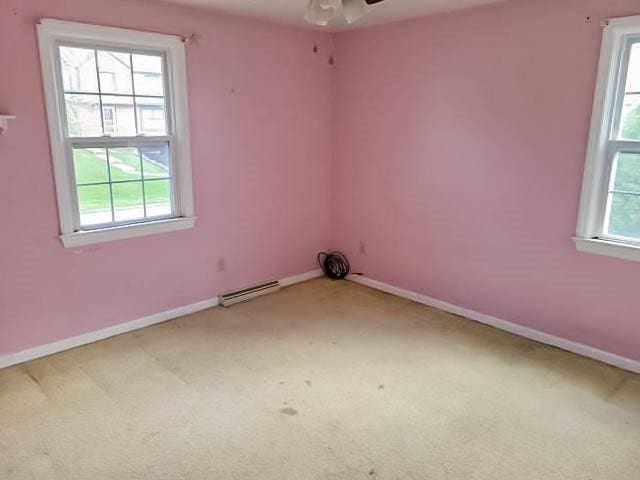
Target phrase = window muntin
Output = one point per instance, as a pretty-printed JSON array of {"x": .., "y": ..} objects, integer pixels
[{"x": 111, "y": 95}]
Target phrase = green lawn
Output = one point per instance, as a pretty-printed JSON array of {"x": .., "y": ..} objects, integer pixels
[{"x": 91, "y": 167}]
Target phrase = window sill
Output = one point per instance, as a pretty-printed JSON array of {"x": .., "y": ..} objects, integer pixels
[
  {"x": 625, "y": 251},
  {"x": 79, "y": 239}
]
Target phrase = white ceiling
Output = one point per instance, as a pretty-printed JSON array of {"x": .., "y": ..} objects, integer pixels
[{"x": 292, "y": 11}]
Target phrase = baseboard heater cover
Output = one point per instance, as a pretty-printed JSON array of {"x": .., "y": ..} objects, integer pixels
[{"x": 243, "y": 294}]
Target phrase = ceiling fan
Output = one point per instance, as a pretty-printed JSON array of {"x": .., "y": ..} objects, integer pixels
[{"x": 320, "y": 12}]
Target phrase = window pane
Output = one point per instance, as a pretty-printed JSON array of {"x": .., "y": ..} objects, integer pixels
[
  {"x": 147, "y": 74},
  {"x": 94, "y": 202},
  {"x": 633, "y": 74},
  {"x": 119, "y": 118},
  {"x": 151, "y": 118},
  {"x": 627, "y": 170},
  {"x": 125, "y": 164},
  {"x": 624, "y": 216},
  {"x": 158, "y": 197},
  {"x": 127, "y": 201},
  {"x": 155, "y": 161},
  {"x": 115, "y": 72},
  {"x": 79, "y": 69},
  {"x": 630, "y": 119},
  {"x": 83, "y": 115},
  {"x": 90, "y": 165}
]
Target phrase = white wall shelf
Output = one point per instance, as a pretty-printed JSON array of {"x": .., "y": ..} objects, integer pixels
[{"x": 4, "y": 122}]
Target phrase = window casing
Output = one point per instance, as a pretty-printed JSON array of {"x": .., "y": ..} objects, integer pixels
[
  {"x": 609, "y": 217},
  {"x": 118, "y": 121}
]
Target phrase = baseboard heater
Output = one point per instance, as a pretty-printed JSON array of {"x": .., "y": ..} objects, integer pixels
[{"x": 243, "y": 294}]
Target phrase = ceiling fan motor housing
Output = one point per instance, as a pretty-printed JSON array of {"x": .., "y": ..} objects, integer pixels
[{"x": 320, "y": 12}]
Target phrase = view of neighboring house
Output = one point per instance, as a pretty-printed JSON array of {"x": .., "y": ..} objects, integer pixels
[{"x": 126, "y": 87}]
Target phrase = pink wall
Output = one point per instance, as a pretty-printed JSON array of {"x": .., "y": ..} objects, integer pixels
[
  {"x": 260, "y": 107},
  {"x": 459, "y": 147}
]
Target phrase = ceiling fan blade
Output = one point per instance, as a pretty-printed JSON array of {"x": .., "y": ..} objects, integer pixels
[
  {"x": 319, "y": 12},
  {"x": 373, "y": 2},
  {"x": 354, "y": 10}
]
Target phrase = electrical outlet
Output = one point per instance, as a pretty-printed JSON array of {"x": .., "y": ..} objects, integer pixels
[
  {"x": 222, "y": 264},
  {"x": 363, "y": 247}
]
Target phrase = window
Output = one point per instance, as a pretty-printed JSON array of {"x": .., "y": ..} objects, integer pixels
[
  {"x": 117, "y": 108},
  {"x": 609, "y": 218}
]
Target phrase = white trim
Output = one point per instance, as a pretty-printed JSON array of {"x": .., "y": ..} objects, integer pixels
[
  {"x": 177, "y": 65},
  {"x": 121, "y": 37},
  {"x": 77, "y": 239},
  {"x": 601, "y": 148},
  {"x": 609, "y": 248},
  {"x": 91, "y": 337},
  {"x": 61, "y": 167},
  {"x": 302, "y": 277},
  {"x": 530, "y": 333},
  {"x": 97, "y": 335},
  {"x": 50, "y": 33}
]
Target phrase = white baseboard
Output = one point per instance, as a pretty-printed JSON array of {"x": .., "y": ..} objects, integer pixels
[
  {"x": 90, "y": 337},
  {"x": 564, "y": 344},
  {"x": 303, "y": 277}
]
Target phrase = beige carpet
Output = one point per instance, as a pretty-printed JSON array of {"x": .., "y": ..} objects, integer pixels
[{"x": 325, "y": 380}]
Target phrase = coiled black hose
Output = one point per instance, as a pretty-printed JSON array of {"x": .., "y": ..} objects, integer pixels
[{"x": 334, "y": 264}]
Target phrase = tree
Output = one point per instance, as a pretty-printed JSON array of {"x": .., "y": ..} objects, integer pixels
[
  {"x": 631, "y": 129},
  {"x": 625, "y": 207}
]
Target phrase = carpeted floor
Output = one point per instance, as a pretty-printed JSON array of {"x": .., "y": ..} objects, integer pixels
[{"x": 324, "y": 380}]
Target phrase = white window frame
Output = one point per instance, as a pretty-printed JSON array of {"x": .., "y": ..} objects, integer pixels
[
  {"x": 51, "y": 33},
  {"x": 603, "y": 146}
]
